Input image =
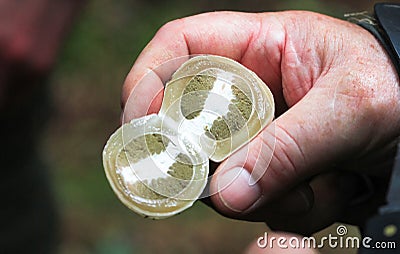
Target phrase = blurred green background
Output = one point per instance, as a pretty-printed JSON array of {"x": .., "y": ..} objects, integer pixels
[{"x": 85, "y": 87}]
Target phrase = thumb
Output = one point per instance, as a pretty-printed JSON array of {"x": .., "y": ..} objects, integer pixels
[{"x": 317, "y": 131}]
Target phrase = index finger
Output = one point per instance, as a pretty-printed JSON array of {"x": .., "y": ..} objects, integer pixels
[{"x": 239, "y": 36}]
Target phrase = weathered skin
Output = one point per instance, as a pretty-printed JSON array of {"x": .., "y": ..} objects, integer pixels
[{"x": 335, "y": 90}]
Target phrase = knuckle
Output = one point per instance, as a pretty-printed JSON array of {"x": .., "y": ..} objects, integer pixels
[
  {"x": 170, "y": 27},
  {"x": 288, "y": 151},
  {"x": 281, "y": 153}
]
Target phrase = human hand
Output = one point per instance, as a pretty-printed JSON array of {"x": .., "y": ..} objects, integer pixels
[{"x": 337, "y": 99}]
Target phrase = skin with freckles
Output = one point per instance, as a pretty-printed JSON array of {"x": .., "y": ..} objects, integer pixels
[{"x": 337, "y": 101}]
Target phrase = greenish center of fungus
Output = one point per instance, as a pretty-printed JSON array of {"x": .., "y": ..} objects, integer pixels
[
  {"x": 195, "y": 95},
  {"x": 145, "y": 146},
  {"x": 179, "y": 173},
  {"x": 239, "y": 113}
]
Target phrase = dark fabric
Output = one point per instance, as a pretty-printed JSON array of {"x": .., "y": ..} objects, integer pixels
[
  {"x": 388, "y": 16},
  {"x": 28, "y": 215}
]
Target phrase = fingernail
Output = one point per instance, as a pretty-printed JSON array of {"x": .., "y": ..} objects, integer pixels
[{"x": 237, "y": 190}]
